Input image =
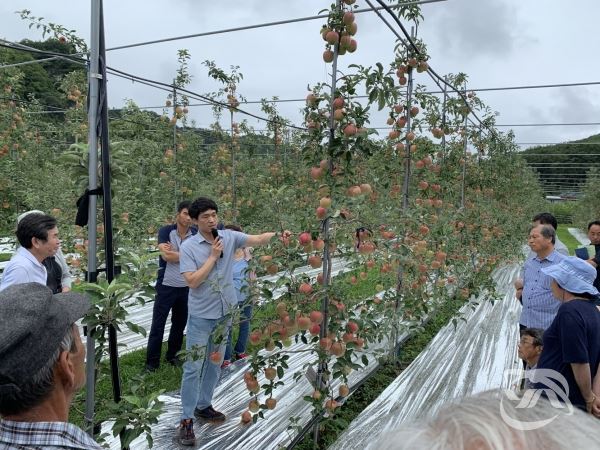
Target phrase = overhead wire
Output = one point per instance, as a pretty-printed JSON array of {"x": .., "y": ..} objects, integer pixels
[
  {"x": 250, "y": 27},
  {"x": 430, "y": 70},
  {"x": 157, "y": 84}
]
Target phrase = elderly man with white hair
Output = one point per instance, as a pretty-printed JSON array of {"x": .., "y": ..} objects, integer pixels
[{"x": 495, "y": 420}]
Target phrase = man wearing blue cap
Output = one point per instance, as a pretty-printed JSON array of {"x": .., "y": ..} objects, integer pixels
[{"x": 42, "y": 366}]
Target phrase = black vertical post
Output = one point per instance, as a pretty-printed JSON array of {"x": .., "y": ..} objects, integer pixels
[{"x": 106, "y": 196}]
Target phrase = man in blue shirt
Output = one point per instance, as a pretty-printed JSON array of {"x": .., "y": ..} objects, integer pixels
[
  {"x": 206, "y": 262},
  {"x": 38, "y": 236},
  {"x": 539, "y": 305},
  {"x": 171, "y": 290}
]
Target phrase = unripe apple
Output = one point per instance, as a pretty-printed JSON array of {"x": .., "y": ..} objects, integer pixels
[
  {"x": 254, "y": 406},
  {"x": 319, "y": 244},
  {"x": 365, "y": 188},
  {"x": 354, "y": 191},
  {"x": 332, "y": 37},
  {"x": 338, "y": 349},
  {"x": 246, "y": 417},
  {"x": 344, "y": 390},
  {"x": 311, "y": 99},
  {"x": 325, "y": 202},
  {"x": 315, "y": 261},
  {"x": 352, "y": 28},
  {"x": 316, "y": 173},
  {"x": 270, "y": 373}
]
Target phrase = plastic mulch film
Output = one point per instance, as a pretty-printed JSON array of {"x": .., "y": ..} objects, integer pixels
[
  {"x": 478, "y": 355},
  {"x": 231, "y": 397}
]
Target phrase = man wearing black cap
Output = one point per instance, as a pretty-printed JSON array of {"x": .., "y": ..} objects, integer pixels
[{"x": 42, "y": 366}]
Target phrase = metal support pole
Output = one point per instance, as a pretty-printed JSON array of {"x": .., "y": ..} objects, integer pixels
[
  {"x": 407, "y": 159},
  {"x": 93, "y": 97},
  {"x": 326, "y": 252},
  {"x": 464, "y": 166},
  {"x": 176, "y": 193},
  {"x": 233, "y": 180},
  {"x": 480, "y": 146},
  {"x": 444, "y": 106}
]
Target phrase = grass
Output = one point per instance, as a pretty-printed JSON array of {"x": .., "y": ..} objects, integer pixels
[
  {"x": 166, "y": 377},
  {"x": 567, "y": 238},
  {"x": 5, "y": 256}
]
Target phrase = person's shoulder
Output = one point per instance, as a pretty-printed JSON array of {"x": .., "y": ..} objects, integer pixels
[
  {"x": 165, "y": 230},
  {"x": 577, "y": 306},
  {"x": 193, "y": 230},
  {"x": 561, "y": 252}
]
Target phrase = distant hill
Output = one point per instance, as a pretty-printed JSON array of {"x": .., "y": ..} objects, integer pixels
[{"x": 562, "y": 168}]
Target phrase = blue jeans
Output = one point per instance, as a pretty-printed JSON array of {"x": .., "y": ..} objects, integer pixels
[
  {"x": 200, "y": 375},
  {"x": 242, "y": 340}
]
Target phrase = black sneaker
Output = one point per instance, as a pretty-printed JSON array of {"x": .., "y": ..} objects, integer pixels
[
  {"x": 150, "y": 369},
  {"x": 209, "y": 414},
  {"x": 185, "y": 433}
]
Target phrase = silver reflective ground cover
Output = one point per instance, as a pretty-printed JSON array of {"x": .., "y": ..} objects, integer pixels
[
  {"x": 580, "y": 235},
  {"x": 476, "y": 356},
  {"x": 231, "y": 397}
]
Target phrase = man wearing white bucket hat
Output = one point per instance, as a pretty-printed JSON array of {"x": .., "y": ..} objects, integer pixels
[{"x": 572, "y": 342}]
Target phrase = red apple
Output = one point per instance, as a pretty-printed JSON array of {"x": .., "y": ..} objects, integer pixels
[{"x": 304, "y": 238}]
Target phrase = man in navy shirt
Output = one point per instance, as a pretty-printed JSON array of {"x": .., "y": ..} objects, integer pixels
[
  {"x": 171, "y": 290},
  {"x": 594, "y": 235}
]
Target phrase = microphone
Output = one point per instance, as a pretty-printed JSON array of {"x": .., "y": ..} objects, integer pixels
[{"x": 215, "y": 234}]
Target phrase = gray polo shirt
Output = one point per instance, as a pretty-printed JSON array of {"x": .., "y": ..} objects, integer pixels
[
  {"x": 216, "y": 295},
  {"x": 172, "y": 276}
]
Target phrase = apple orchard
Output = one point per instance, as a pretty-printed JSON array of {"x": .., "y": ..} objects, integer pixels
[{"x": 421, "y": 208}]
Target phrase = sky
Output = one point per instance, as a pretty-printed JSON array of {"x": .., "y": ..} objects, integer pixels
[{"x": 497, "y": 43}]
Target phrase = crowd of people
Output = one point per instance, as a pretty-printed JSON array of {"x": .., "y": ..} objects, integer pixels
[
  {"x": 203, "y": 279},
  {"x": 560, "y": 318}
]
